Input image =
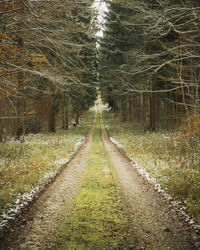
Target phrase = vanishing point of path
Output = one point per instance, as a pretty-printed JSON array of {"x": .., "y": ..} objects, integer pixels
[{"x": 100, "y": 202}]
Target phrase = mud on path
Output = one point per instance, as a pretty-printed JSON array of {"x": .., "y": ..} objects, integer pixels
[{"x": 152, "y": 224}]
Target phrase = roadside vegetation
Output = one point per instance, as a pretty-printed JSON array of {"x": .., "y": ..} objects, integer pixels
[
  {"x": 98, "y": 219},
  {"x": 173, "y": 159},
  {"x": 24, "y": 165}
]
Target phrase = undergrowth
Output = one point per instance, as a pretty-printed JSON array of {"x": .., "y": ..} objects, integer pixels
[
  {"x": 98, "y": 220},
  {"x": 23, "y": 165},
  {"x": 172, "y": 159}
]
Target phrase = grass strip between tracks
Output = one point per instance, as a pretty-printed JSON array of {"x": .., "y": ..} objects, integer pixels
[{"x": 98, "y": 220}]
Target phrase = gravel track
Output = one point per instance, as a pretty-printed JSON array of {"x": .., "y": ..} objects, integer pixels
[
  {"x": 38, "y": 226},
  {"x": 153, "y": 224}
]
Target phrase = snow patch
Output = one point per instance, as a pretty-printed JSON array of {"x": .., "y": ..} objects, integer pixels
[
  {"x": 50, "y": 175},
  {"x": 117, "y": 143},
  {"x": 106, "y": 171},
  {"x": 79, "y": 144},
  {"x": 144, "y": 173},
  {"x": 61, "y": 162},
  {"x": 21, "y": 202}
]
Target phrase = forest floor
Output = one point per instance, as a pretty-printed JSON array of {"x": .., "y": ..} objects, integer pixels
[{"x": 100, "y": 201}]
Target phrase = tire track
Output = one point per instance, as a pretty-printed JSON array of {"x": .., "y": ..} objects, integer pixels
[
  {"x": 37, "y": 228},
  {"x": 154, "y": 224}
]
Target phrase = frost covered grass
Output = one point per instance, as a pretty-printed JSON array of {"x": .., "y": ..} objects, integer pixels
[
  {"x": 23, "y": 166},
  {"x": 172, "y": 161}
]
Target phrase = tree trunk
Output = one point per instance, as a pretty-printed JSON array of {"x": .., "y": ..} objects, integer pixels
[
  {"x": 65, "y": 114},
  {"x": 77, "y": 118},
  {"x": 54, "y": 109},
  {"x": 147, "y": 104},
  {"x": 65, "y": 118},
  {"x": 152, "y": 112},
  {"x": 21, "y": 120},
  {"x": 165, "y": 108},
  {"x": 131, "y": 109},
  {"x": 52, "y": 121}
]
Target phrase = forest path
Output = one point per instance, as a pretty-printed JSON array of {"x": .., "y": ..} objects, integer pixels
[
  {"x": 100, "y": 202},
  {"x": 153, "y": 224}
]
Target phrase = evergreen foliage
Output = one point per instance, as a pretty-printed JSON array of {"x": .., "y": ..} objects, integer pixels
[{"x": 149, "y": 60}]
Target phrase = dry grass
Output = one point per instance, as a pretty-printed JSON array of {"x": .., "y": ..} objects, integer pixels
[
  {"x": 22, "y": 166},
  {"x": 172, "y": 159}
]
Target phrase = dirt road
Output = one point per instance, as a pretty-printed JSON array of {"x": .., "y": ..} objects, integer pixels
[
  {"x": 153, "y": 225},
  {"x": 38, "y": 226}
]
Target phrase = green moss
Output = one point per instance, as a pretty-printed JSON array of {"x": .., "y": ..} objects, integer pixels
[{"x": 98, "y": 220}]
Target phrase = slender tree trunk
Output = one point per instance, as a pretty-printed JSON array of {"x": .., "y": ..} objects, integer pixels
[
  {"x": 152, "y": 112},
  {"x": 54, "y": 109},
  {"x": 21, "y": 120},
  {"x": 65, "y": 118},
  {"x": 141, "y": 107},
  {"x": 150, "y": 123},
  {"x": 77, "y": 118},
  {"x": 1, "y": 131},
  {"x": 147, "y": 111},
  {"x": 197, "y": 95},
  {"x": 131, "y": 109},
  {"x": 65, "y": 113},
  {"x": 52, "y": 121},
  {"x": 181, "y": 78},
  {"x": 165, "y": 121}
]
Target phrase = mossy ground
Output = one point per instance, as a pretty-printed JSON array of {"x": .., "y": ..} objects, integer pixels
[{"x": 98, "y": 220}]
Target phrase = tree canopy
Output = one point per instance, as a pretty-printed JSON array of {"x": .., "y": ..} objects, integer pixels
[
  {"x": 48, "y": 55},
  {"x": 149, "y": 59}
]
